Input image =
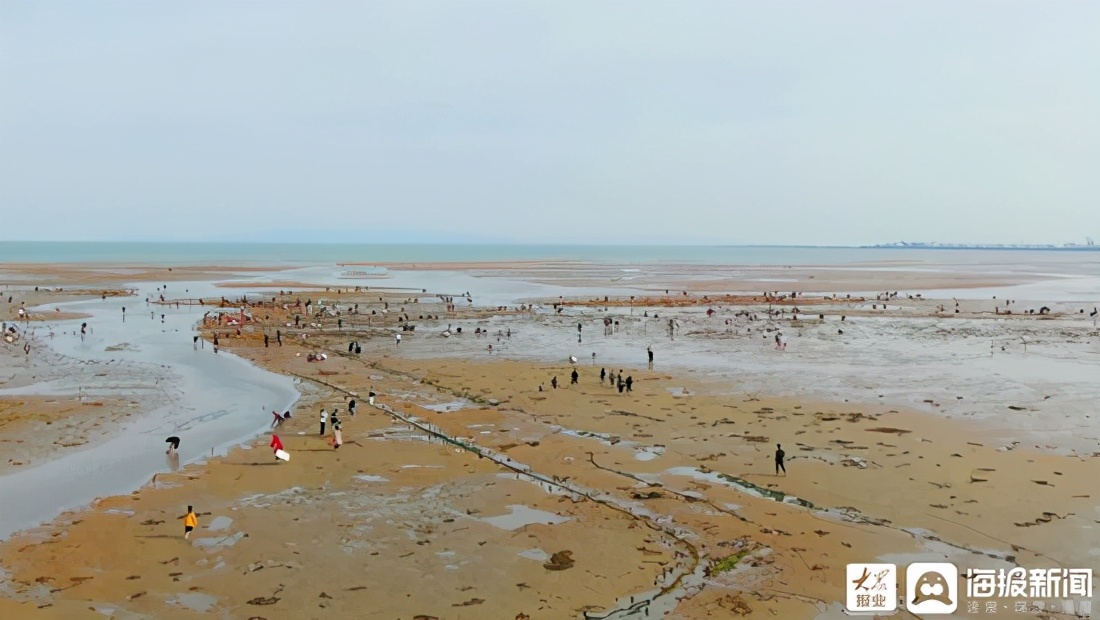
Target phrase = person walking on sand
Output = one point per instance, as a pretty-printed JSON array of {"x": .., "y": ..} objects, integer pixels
[
  {"x": 396, "y": 340},
  {"x": 190, "y": 522},
  {"x": 554, "y": 383},
  {"x": 351, "y": 407},
  {"x": 279, "y": 337},
  {"x": 324, "y": 418},
  {"x": 779, "y": 456},
  {"x": 265, "y": 340},
  {"x": 603, "y": 375},
  {"x": 370, "y": 397},
  {"x": 337, "y": 436},
  {"x": 573, "y": 378},
  {"x": 629, "y": 384},
  {"x": 649, "y": 351}
]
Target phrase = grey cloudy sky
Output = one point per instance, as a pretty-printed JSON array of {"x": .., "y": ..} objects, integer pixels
[{"x": 565, "y": 121}]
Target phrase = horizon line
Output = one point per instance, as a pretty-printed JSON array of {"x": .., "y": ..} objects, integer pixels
[
  {"x": 701, "y": 244},
  {"x": 431, "y": 243}
]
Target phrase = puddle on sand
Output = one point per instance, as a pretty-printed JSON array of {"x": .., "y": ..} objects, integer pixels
[
  {"x": 219, "y": 523},
  {"x": 195, "y": 601},
  {"x": 449, "y": 407},
  {"x": 678, "y": 392},
  {"x": 537, "y": 555},
  {"x": 369, "y": 478},
  {"x": 523, "y": 515},
  {"x": 217, "y": 542},
  {"x": 649, "y": 453}
]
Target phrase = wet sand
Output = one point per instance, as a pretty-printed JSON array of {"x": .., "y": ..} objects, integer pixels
[
  {"x": 35, "y": 428},
  {"x": 154, "y": 384},
  {"x": 666, "y": 494},
  {"x": 879, "y": 484}
]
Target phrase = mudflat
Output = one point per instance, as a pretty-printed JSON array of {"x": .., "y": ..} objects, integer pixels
[{"x": 474, "y": 488}]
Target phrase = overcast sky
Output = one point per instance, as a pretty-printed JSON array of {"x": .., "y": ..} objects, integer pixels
[{"x": 569, "y": 121}]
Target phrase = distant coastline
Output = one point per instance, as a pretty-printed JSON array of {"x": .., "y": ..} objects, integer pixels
[{"x": 905, "y": 245}]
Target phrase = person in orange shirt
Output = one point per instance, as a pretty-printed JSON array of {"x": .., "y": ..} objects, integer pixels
[{"x": 190, "y": 522}]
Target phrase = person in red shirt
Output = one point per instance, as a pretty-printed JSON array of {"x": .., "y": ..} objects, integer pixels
[{"x": 276, "y": 444}]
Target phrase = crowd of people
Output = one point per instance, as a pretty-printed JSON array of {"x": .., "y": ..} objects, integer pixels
[{"x": 328, "y": 421}]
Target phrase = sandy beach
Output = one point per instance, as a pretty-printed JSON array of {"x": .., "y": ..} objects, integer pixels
[{"x": 475, "y": 488}]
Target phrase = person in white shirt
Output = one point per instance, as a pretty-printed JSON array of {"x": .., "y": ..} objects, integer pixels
[{"x": 324, "y": 418}]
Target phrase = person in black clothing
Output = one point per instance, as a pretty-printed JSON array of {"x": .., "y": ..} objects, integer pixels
[
  {"x": 603, "y": 375},
  {"x": 649, "y": 350},
  {"x": 215, "y": 343},
  {"x": 554, "y": 383},
  {"x": 358, "y": 349},
  {"x": 629, "y": 384},
  {"x": 621, "y": 385},
  {"x": 574, "y": 377},
  {"x": 351, "y": 406},
  {"x": 779, "y": 454},
  {"x": 279, "y": 336},
  {"x": 265, "y": 340},
  {"x": 351, "y": 346}
]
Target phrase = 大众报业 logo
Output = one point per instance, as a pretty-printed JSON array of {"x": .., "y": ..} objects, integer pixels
[
  {"x": 931, "y": 588},
  {"x": 872, "y": 588}
]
